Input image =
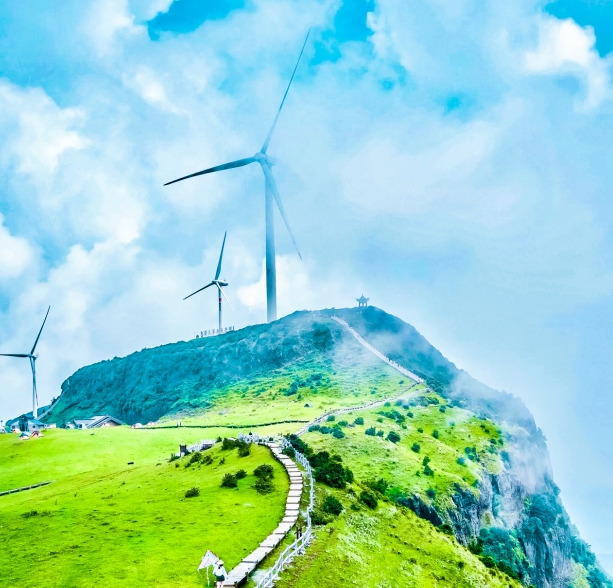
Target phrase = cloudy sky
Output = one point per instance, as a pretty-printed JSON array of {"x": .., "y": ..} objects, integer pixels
[{"x": 451, "y": 159}]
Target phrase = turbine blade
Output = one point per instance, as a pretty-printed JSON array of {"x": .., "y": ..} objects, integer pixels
[
  {"x": 13, "y": 355},
  {"x": 272, "y": 186},
  {"x": 210, "y": 170},
  {"x": 196, "y": 292},
  {"x": 39, "y": 332},
  {"x": 274, "y": 124},
  {"x": 221, "y": 256},
  {"x": 223, "y": 294}
]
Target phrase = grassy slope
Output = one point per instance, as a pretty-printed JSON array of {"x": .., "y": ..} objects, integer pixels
[
  {"x": 387, "y": 548},
  {"x": 371, "y": 458},
  {"x": 118, "y": 525}
]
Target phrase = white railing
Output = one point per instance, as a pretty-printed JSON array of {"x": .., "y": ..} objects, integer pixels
[
  {"x": 212, "y": 332},
  {"x": 391, "y": 362},
  {"x": 299, "y": 545}
]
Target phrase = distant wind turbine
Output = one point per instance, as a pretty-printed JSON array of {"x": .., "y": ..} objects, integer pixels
[
  {"x": 217, "y": 282},
  {"x": 271, "y": 192},
  {"x": 32, "y": 359}
]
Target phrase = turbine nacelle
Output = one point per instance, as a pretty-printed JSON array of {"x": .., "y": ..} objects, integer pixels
[{"x": 221, "y": 283}]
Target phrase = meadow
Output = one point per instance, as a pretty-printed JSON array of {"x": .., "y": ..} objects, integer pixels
[{"x": 105, "y": 522}]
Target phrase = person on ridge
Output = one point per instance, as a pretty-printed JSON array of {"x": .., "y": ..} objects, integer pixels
[{"x": 220, "y": 573}]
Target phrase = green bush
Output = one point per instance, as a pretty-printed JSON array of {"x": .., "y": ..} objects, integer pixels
[
  {"x": 368, "y": 499},
  {"x": 415, "y": 447},
  {"x": 244, "y": 449},
  {"x": 332, "y": 505},
  {"x": 358, "y": 421},
  {"x": 331, "y": 418},
  {"x": 290, "y": 452},
  {"x": 264, "y": 485},
  {"x": 264, "y": 472},
  {"x": 337, "y": 433},
  {"x": 420, "y": 430},
  {"x": 192, "y": 492},
  {"x": 393, "y": 437},
  {"x": 195, "y": 457},
  {"x": 380, "y": 433},
  {"x": 229, "y": 481},
  {"x": 428, "y": 471},
  {"x": 431, "y": 493},
  {"x": 342, "y": 423},
  {"x": 435, "y": 434},
  {"x": 410, "y": 414},
  {"x": 442, "y": 408},
  {"x": 462, "y": 460},
  {"x": 319, "y": 517},
  {"x": 314, "y": 428},
  {"x": 241, "y": 474},
  {"x": 370, "y": 431},
  {"x": 228, "y": 444},
  {"x": 380, "y": 485}
]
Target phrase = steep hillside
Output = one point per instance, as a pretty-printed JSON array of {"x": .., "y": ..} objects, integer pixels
[{"x": 465, "y": 458}]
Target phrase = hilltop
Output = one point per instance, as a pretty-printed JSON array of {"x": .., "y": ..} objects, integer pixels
[{"x": 466, "y": 461}]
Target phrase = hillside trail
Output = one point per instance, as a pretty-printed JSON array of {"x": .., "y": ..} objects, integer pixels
[{"x": 249, "y": 564}]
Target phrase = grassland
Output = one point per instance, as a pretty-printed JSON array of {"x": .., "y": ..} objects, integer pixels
[
  {"x": 374, "y": 457},
  {"x": 387, "y": 548},
  {"x": 301, "y": 391},
  {"x": 104, "y": 522}
]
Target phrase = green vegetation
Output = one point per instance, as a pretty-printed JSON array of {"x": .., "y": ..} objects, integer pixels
[
  {"x": 104, "y": 522},
  {"x": 387, "y": 547}
]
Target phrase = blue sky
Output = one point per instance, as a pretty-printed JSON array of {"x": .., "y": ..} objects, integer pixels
[{"x": 449, "y": 159}]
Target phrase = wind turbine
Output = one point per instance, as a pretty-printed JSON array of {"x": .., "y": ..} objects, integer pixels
[
  {"x": 271, "y": 192},
  {"x": 217, "y": 282},
  {"x": 32, "y": 359}
]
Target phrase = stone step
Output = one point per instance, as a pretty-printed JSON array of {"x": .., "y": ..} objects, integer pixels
[{"x": 258, "y": 555}]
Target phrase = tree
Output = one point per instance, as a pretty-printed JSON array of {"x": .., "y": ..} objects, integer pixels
[
  {"x": 332, "y": 505},
  {"x": 393, "y": 437},
  {"x": 368, "y": 499}
]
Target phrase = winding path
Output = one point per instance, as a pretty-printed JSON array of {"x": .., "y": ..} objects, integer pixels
[{"x": 249, "y": 563}]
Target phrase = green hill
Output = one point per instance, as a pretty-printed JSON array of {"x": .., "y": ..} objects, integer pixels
[{"x": 452, "y": 463}]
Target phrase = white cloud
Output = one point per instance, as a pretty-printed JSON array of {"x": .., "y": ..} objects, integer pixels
[
  {"x": 16, "y": 254},
  {"x": 37, "y": 132},
  {"x": 565, "y": 48},
  {"x": 107, "y": 20}
]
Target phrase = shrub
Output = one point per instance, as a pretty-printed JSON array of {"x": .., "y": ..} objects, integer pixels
[
  {"x": 462, "y": 460},
  {"x": 264, "y": 472},
  {"x": 337, "y": 433},
  {"x": 228, "y": 444},
  {"x": 358, "y": 421},
  {"x": 332, "y": 506},
  {"x": 174, "y": 457},
  {"x": 264, "y": 485},
  {"x": 380, "y": 433},
  {"x": 488, "y": 561},
  {"x": 334, "y": 475},
  {"x": 380, "y": 485},
  {"x": 195, "y": 457},
  {"x": 244, "y": 449},
  {"x": 241, "y": 474},
  {"x": 229, "y": 481},
  {"x": 393, "y": 437},
  {"x": 420, "y": 430},
  {"x": 410, "y": 414},
  {"x": 368, "y": 499},
  {"x": 428, "y": 471},
  {"x": 430, "y": 493},
  {"x": 299, "y": 445},
  {"x": 331, "y": 418},
  {"x": 192, "y": 492},
  {"x": 314, "y": 428},
  {"x": 415, "y": 447},
  {"x": 370, "y": 431},
  {"x": 319, "y": 517},
  {"x": 290, "y": 452},
  {"x": 342, "y": 423},
  {"x": 442, "y": 408},
  {"x": 325, "y": 430},
  {"x": 435, "y": 434}
]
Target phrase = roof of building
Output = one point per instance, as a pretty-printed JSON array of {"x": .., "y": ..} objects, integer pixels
[
  {"x": 362, "y": 299},
  {"x": 97, "y": 421}
]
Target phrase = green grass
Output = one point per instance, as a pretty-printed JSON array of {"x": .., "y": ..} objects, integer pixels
[
  {"x": 387, "y": 548},
  {"x": 371, "y": 458},
  {"x": 104, "y": 522},
  {"x": 263, "y": 399}
]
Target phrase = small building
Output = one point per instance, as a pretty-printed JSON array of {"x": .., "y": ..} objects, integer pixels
[
  {"x": 362, "y": 301},
  {"x": 96, "y": 422},
  {"x": 26, "y": 422}
]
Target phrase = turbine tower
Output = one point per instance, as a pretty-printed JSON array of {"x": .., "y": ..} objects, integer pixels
[
  {"x": 32, "y": 359},
  {"x": 217, "y": 282},
  {"x": 271, "y": 192}
]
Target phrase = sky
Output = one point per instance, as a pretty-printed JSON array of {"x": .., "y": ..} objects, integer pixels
[{"x": 450, "y": 159}]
